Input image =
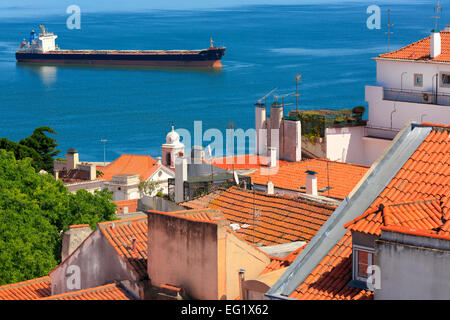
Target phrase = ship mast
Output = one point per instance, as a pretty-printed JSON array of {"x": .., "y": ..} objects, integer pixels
[{"x": 43, "y": 29}]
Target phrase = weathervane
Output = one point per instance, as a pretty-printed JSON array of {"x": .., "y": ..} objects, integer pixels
[
  {"x": 389, "y": 25},
  {"x": 437, "y": 11}
]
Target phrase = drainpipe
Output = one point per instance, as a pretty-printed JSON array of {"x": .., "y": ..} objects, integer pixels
[
  {"x": 421, "y": 117},
  {"x": 241, "y": 282},
  {"x": 392, "y": 113}
]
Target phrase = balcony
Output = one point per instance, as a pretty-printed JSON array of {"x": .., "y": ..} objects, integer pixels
[{"x": 417, "y": 96}]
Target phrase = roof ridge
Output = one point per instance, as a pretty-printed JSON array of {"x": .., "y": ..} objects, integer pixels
[
  {"x": 82, "y": 291},
  {"x": 280, "y": 196},
  {"x": 104, "y": 224},
  {"x": 23, "y": 283}
]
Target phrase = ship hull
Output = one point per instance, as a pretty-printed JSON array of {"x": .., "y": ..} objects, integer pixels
[{"x": 201, "y": 58}]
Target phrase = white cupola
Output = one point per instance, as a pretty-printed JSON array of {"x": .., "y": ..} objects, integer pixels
[{"x": 172, "y": 149}]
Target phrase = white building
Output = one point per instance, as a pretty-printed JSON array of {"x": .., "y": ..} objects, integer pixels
[{"x": 413, "y": 83}]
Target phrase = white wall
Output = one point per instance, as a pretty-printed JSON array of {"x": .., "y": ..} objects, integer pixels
[
  {"x": 389, "y": 74},
  {"x": 380, "y": 111},
  {"x": 345, "y": 144}
]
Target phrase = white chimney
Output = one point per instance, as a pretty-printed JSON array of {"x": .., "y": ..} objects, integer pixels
[
  {"x": 272, "y": 153},
  {"x": 158, "y": 161},
  {"x": 435, "y": 44},
  {"x": 270, "y": 188},
  {"x": 311, "y": 183},
  {"x": 180, "y": 178}
]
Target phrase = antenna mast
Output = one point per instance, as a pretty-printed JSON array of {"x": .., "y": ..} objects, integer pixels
[
  {"x": 437, "y": 11},
  {"x": 389, "y": 25}
]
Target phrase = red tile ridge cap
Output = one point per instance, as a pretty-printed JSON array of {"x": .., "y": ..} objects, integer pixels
[
  {"x": 435, "y": 125},
  {"x": 74, "y": 226},
  {"x": 415, "y": 232},
  {"x": 23, "y": 283},
  {"x": 175, "y": 215},
  {"x": 78, "y": 292},
  {"x": 104, "y": 224},
  {"x": 361, "y": 217},
  {"x": 283, "y": 197}
]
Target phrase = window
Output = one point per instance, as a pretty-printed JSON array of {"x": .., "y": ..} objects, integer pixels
[
  {"x": 445, "y": 79},
  {"x": 418, "y": 80},
  {"x": 362, "y": 258}
]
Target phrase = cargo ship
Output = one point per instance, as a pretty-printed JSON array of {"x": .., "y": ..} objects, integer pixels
[{"x": 41, "y": 48}]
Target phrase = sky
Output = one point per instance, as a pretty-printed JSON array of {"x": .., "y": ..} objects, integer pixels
[{"x": 17, "y": 8}]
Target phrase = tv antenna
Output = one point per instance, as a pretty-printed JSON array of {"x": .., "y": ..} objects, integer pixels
[
  {"x": 298, "y": 78},
  {"x": 259, "y": 102},
  {"x": 276, "y": 97},
  {"x": 389, "y": 25},
  {"x": 437, "y": 11}
]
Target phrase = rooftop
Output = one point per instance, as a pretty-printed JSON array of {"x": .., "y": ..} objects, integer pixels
[
  {"x": 417, "y": 196},
  {"x": 113, "y": 291},
  {"x": 340, "y": 177},
  {"x": 128, "y": 164},
  {"x": 268, "y": 220},
  {"x": 129, "y": 238},
  {"x": 130, "y": 204},
  {"x": 420, "y": 50},
  {"x": 243, "y": 162},
  {"x": 419, "y": 161},
  {"x": 26, "y": 290},
  {"x": 329, "y": 280}
]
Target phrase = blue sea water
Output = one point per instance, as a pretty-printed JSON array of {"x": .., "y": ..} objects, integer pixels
[{"x": 134, "y": 108}]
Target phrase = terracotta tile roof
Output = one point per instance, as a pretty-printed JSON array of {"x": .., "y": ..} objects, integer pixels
[
  {"x": 113, "y": 291},
  {"x": 144, "y": 166},
  {"x": 406, "y": 198},
  {"x": 329, "y": 279},
  {"x": 201, "y": 202},
  {"x": 202, "y": 215},
  {"x": 243, "y": 162},
  {"x": 415, "y": 232},
  {"x": 281, "y": 219},
  {"x": 423, "y": 215},
  {"x": 341, "y": 177},
  {"x": 420, "y": 50},
  {"x": 130, "y": 204},
  {"x": 129, "y": 238},
  {"x": 279, "y": 263},
  {"x": 26, "y": 290}
]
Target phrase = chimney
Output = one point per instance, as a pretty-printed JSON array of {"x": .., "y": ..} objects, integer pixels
[
  {"x": 435, "y": 44},
  {"x": 272, "y": 153},
  {"x": 73, "y": 237},
  {"x": 260, "y": 128},
  {"x": 72, "y": 159},
  {"x": 158, "y": 161},
  {"x": 180, "y": 178},
  {"x": 270, "y": 188},
  {"x": 311, "y": 183},
  {"x": 92, "y": 172}
]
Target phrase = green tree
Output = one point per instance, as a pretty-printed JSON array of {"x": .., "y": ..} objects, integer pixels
[
  {"x": 35, "y": 210},
  {"x": 45, "y": 146},
  {"x": 38, "y": 146}
]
